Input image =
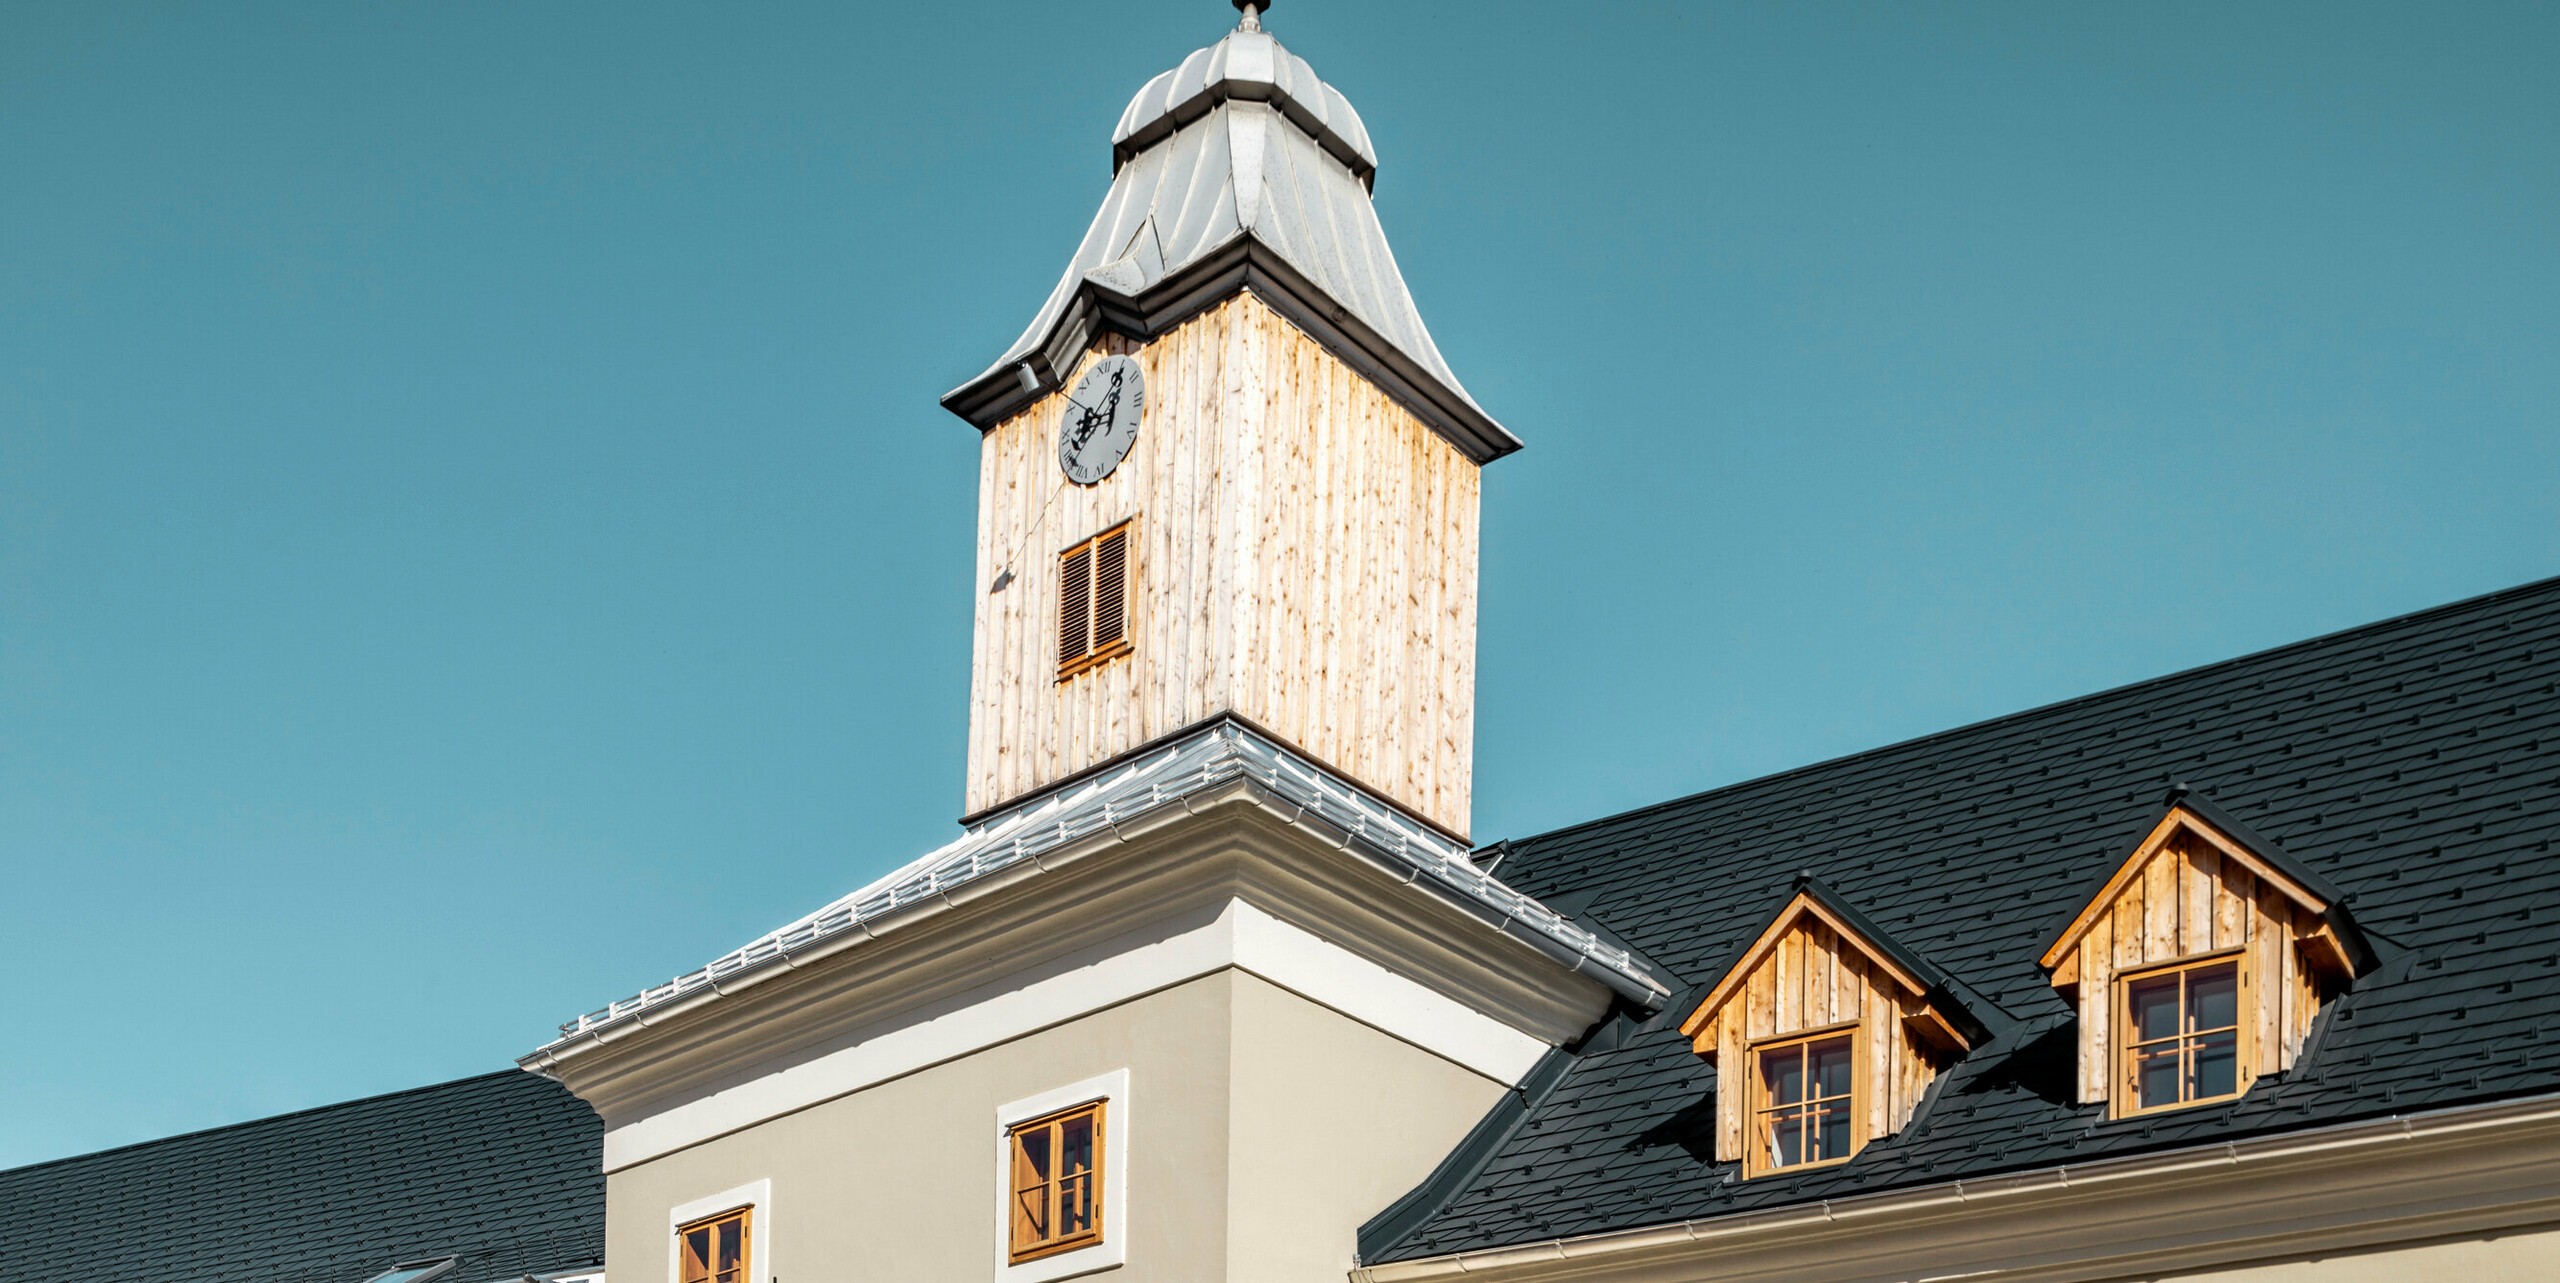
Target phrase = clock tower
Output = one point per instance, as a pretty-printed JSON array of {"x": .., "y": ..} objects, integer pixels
[{"x": 1225, "y": 472}]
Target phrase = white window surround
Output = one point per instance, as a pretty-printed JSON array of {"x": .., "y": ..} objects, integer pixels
[
  {"x": 755, "y": 1194},
  {"x": 1113, "y": 1250}
]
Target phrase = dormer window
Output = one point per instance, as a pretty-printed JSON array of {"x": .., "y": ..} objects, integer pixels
[
  {"x": 1805, "y": 1102},
  {"x": 1825, "y": 1034},
  {"x": 2200, "y": 963},
  {"x": 2181, "y": 1034}
]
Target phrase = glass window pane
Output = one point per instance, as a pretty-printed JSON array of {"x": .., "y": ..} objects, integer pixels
[
  {"x": 1075, "y": 1206},
  {"x": 1075, "y": 1144},
  {"x": 1786, "y": 1139},
  {"x": 697, "y": 1254},
  {"x": 1831, "y": 1133},
  {"x": 2213, "y": 993},
  {"x": 1831, "y": 1067},
  {"x": 1031, "y": 1215},
  {"x": 2217, "y": 1067},
  {"x": 733, "y": 1241},
  {"x": 1034, "y": 1143},
  {"x": 1782, "y": 1074},
  {"x": 2155, "y": 1076},
  {"x": 2154, "y": 1005}
]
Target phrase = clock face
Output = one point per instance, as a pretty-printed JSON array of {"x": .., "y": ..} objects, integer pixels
[{"x": 1100, "y": 421}]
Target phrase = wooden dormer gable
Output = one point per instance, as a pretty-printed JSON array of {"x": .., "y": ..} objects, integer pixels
[
  {"x": 2202, "y": 885},
  {"x": 1822, "y": 966}
]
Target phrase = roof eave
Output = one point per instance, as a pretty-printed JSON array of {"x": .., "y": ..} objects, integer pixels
[{"x": 1242, "y": 262}]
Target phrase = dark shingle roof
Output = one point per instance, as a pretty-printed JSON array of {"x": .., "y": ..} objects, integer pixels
[
  {"x": 2415, "y": 763},
  {"x": 505, "y": 1170}
]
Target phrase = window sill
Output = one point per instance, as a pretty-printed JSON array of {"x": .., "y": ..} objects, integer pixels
[{"x": 1074, "y": 1263}]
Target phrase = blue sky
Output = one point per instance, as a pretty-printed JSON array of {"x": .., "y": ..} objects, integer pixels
[{"x": 477, "y": 536}]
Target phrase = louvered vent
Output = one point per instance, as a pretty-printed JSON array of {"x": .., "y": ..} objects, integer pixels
[
  {"x": 1111, "y": 589},
  {"x": 1093, "y": 602},
  {"x": 1075, "y": 606}
]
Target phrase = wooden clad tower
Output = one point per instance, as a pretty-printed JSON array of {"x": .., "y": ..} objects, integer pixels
[{"x": 1225, "y": 470}]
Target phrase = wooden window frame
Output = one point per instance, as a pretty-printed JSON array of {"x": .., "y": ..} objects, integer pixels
[
  {"x": 746, "y": 1268},
  {"x": 1017, "y": 1251},
  {"x": 1755, "y": 1154},
  {"x": 2125, "y": 1094},
  {"x": 1089, "y": 655}
]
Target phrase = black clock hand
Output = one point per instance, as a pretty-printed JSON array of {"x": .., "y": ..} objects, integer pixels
[{"x": 1086, "y": 425}]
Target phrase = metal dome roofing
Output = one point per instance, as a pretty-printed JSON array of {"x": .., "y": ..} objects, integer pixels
[
  {"x": 1252, "y": 66},
  {"x": 1240, "y": 168}
]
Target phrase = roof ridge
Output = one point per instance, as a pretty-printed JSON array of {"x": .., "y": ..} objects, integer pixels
[
  {"x": 2526, "y": 589},
  {"x": 256, "y": 1122}
]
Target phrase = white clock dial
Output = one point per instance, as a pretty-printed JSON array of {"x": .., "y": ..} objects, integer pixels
[{"x": 1100, "y": 421}]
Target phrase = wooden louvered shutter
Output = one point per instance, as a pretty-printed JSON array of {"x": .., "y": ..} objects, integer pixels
[
  {"x": 1075, "y": 607},
  {"x": 1111, "y": 591}
]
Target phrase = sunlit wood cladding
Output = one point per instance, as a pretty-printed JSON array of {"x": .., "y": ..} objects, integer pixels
[
  {"x": 1810, "y": 970},
  {"x": 1304, "y": 554},
  {"x": 2190, "y": 889}
]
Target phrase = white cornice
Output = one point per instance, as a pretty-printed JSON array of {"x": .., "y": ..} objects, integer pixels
[
  {"x": 1325, "y": 920},
  {"x": 1186, "y": 774},
  {"x": 1241, "y": 938},
  {"x": 2352, "y": 1186}
]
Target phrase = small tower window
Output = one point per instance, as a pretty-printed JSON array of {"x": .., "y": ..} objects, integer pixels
[
  {"x": 1093, "y": 602},
  {"x": 715, "y": 1249},
  {"x": 1057, "y": 1182}
]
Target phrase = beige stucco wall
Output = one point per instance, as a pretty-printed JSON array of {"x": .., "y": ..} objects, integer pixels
[
  {"x": 1330, "y": 1121},
  {"x": 1262, "y": 1130},
  {"x": 2522, "y": 1254}
]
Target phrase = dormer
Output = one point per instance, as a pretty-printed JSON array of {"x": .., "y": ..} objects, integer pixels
[
  {"x": 1825, "y": 1034},
  {"x": 2200, "y": 963}
]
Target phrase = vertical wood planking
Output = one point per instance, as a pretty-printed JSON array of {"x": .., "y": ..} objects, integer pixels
[
  {"x": 1306, "y": 557},
  {"x": 1731, "y": 1093},
  {"x": 2266, "y": 942},
  {"x": 2128, "y": 926},
  {"x": 2097, "y": 988},
  {"x": 2297, "y": 1010},
  {"x": 1875, "y": 1069},
  {"x": 2160, "y": 907},
  {"x": 1790, "y": 1014},
  {"x": 2197, "y": 865},
  {"x": 1827, "y": 980},
  {"x": 2231, "y": 905}
]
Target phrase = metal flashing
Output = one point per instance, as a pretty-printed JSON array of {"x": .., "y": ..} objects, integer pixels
[{"x": 1219, "y": 754}]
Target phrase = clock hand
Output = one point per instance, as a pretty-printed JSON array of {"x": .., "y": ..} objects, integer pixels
[{"x": 1088, "y": 424}]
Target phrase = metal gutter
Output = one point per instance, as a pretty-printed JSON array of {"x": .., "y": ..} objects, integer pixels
[{"x": 1728, "y": 1231}]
